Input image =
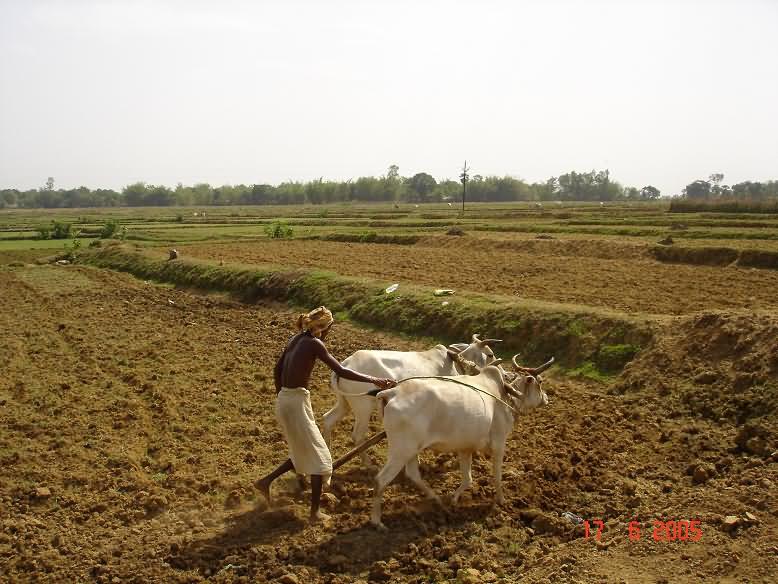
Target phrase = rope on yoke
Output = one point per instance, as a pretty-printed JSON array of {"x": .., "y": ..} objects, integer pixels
[{"x": 372, "y": 392}]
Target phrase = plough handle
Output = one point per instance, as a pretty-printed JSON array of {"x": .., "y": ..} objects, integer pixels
[{"x": 358, "y": 449}]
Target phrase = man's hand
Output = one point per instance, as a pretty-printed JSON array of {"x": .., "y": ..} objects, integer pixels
[{"x": 385, "y": 383}]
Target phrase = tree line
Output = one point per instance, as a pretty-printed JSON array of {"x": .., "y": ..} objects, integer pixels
[
  {"x": 714, "y": 189},
  {"x": 596, "y": 185}
]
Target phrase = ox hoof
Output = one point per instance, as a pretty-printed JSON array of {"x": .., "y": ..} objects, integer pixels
[{"x": 379, "y": 526}]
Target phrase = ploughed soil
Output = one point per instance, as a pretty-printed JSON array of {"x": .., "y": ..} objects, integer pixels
[
  {"x": 603, "y": 273},
  {"x": 134, "y": 418}
]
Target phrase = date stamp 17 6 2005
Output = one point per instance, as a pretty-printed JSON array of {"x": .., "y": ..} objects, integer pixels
[{"x": 670, "y": 530}]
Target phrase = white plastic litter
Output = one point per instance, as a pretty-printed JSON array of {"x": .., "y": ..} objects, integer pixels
[
  {"x": 443, "y": 292},
  {"x": 573, "y": 518},
  {"x": 392, "y": 288}
]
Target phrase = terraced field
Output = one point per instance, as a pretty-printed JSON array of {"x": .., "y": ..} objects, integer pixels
[{"x": 619, "y": 275}]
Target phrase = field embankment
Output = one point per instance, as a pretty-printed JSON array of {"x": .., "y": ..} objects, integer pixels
[
  {"x": 716, "y": 256},
  {"x": 577, "y": 336},
  {"x": 615, "y": 275}
]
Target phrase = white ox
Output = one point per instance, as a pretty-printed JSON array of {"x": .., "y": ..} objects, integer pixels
[
  {"x": 448, "y": 417},
  {"x": 440, "y": 360}
]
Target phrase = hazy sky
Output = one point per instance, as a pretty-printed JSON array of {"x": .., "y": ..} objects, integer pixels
[{"x": 105, "y": 93}]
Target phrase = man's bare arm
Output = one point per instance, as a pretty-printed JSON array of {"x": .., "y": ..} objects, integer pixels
[{"x": 346, "y": 373}]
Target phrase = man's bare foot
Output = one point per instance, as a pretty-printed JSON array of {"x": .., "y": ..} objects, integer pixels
[
  {"x": 320, "y": 517},
  {"x": 263, "y": 486}
]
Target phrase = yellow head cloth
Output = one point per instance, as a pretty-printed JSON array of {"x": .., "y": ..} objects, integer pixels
[{"x": 315, "y": 321}]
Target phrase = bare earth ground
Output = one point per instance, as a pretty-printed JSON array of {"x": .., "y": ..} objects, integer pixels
[
  {"x": 595, "y": 273},
  {"x": 134, "y": 418}
]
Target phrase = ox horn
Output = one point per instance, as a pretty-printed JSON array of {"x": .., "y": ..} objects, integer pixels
[
  {"x": 490, "y": 341},
  {"x": 542, "y": 368},
  {"x": 495, "y": 362},
  {"x": 517, "y": 366},
  {"x": 475, "y": 338}
]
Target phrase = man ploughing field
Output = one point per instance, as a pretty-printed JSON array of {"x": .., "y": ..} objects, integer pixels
[{"x": 308, "y": 453}]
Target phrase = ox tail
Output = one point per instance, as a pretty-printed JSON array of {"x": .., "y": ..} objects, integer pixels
[{"x": 383, "y": 396}]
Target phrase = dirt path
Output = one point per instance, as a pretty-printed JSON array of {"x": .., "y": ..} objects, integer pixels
[
  {"x": 134, "y": 418},
  {"x": 622, "y": 278}
]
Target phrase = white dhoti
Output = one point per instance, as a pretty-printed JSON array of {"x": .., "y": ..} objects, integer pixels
[{"x": 307, "y": 449}]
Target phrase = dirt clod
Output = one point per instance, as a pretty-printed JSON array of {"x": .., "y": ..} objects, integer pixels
[
  {"x": 703, "y": 472},
  {"x": 42, "y": 492},
  {"x": 469, "y": 576}
]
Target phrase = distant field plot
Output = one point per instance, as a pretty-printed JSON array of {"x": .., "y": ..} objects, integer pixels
[
  {"x": 620, "y": 276},
  {"x": 645, "y": 221}
]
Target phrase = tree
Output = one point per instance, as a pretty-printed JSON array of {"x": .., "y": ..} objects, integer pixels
[
  {"x": 750, "y": 190},
  {"x": 649, "y": 193},
  {"x": 632, "y": 193},
  {"x": 134, "y": 194},
  {"x": 699, "y": 189},
  {"x": 261, "y": 195},
  {"x": 49, "y": 184},
  {"x": 9, "y": 198},
  {"x": 80, "y": 197},
  {"x": 393, "y": 174},
  {"x": 159, "y": 196},
  {"x": 715, "y": 180},
  {"x": 422, "y": 184}
]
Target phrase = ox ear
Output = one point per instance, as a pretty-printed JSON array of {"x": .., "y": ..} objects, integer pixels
[
  {"x": 458, "y": 347},
  {"x": 452, "y": 353}
]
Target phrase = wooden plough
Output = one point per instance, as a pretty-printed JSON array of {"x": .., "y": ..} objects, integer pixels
[{"x": 358, "y": 449}]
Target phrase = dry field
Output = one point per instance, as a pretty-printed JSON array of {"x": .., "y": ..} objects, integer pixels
[
  {"x": 615, "y": 274},
  {"x": 134, "y": 418}
]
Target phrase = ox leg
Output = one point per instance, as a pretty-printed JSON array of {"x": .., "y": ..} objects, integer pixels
[
  {"x": 412, "y": 472},
  {"x": 385, "y": 476},
  {"x": 498, "y": 452},
  {"x": 332, "y": 417},
  {"x": 363, "y": 409},
  {"x": 465, "y": 466}
]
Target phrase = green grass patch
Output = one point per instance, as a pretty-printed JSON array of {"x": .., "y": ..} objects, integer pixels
[
  {"x": 612, "y": 358},
  {"x": 589, "y": 370},
  {"x": 367, "y": 237},
  {"x": 30, "y": 244}
]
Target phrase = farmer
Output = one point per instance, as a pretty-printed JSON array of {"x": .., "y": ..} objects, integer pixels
[{"x": 308, "y": 453}]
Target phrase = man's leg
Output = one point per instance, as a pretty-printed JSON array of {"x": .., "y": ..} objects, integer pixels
[
  {"x": 316, "y": 514},
  {"x": 263, "y": 484}
]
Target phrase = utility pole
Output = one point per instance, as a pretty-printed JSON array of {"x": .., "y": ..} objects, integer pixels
[{"x": 464, "y": 177}]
